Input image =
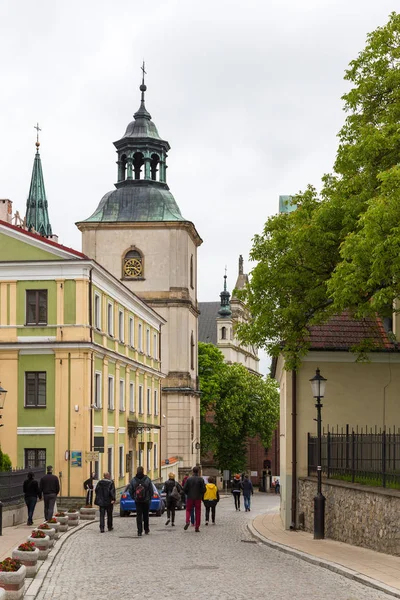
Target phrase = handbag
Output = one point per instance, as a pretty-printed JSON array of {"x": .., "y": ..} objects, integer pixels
[{"x": 175, "y": 493}]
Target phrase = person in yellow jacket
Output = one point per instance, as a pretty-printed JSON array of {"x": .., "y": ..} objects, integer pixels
[{"x": 211, "y": 499}]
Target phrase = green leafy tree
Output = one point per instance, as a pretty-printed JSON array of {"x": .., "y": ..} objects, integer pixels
[
  {"x": 235, "y": 405},
  {"x": 338, "y": 250},
  {"x": 5, "y": 462}
]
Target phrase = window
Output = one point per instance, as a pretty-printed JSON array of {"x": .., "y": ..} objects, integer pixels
[
  {"x": 140, "y": 458},
  {"x": 36, "y": 307},
  {"x": 155, "y": 346},
  {"x": 97, "y": 469},
  {"x": 132, "y": 397},
  {"x": 148, "y": 401},
  {"x": 156, "y": 402},
  {"x": 155, "y": 456},
  {"x": 35, "y": 457},
  {"x": 110, "y": 319},
  {"x": 223, "y": 333},
  {"x": 121, "y": 325},
  {"x": 97, "y": 311},
  {"x": 35, "y": 389},
  {"x": 192, "y": 351},
  {"x": 97, "y": 390},
  {"x": 148, "y": 342},
  {"x": 121, "y": 462},
  {"x": 110, "y": 461},
  {"x": 121, "y": 395},
  {"x": 110, "y": 393},
  {"x": 140, "y": 341},
  {"x": 140, "y": 399},
  {"x": 148, "y": 459},
  {"x": 191, "y": 272},
  {"x": 131, "y": 332}
]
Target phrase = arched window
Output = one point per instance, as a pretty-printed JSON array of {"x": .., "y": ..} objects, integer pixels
[
  {"x": 155, "y": 159},
  {"x": 223, "y": 333},
  {"x": 122, "y": 168},
  {"x": 191, "y": 272},
  {"x": 138, "y": 162},
  {"x": 132, "y": 264},
  {"x": 192, "y": 351}
]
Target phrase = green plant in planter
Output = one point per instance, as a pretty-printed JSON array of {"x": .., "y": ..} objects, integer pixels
[
  {"x": 44, "y": 526},
  {"x": 72, "y": 510},
  {"x": 10, "y": 565},
  {"x": 60, "y": 514},
  {"x": 52, "y": 520},
  {"x": 39, "y": 535},
  {"x": 27, "y": 547}
]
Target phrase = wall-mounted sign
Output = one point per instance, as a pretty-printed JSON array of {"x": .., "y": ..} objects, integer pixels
[
  {"x": 76, "y": 458},
  {"x": 91, "y": 456}
]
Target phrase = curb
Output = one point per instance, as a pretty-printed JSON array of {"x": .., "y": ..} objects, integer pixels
[
  {"x": 36, "y": 583},
  {"x": 325, "y": 564}
]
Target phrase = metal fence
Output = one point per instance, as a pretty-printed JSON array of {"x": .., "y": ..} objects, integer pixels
[
  {"x": 360, "y": 456},
  {"x": 11, "y": 483}
]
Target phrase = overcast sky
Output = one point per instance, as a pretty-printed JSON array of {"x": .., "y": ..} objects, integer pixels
[{"x": 247, "y": 94}]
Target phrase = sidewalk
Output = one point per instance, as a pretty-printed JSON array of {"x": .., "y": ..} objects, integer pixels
[
  {"x": 381, "y": 571},
  {"x": 14, "y": 536}
]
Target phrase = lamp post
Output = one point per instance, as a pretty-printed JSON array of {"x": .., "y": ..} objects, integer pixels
[
  {"x": 318, "y": 384},
  {"x": 3, "y": 394}
]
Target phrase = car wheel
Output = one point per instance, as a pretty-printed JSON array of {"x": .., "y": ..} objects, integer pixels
[
  {"x": 159, "y": 513},
  {"x": 123, "y": 513}
]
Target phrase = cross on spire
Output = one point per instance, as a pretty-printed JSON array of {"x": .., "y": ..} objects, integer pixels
[
  {"x": 144, "y": 72},
  {"x": 37, "y": 135}
]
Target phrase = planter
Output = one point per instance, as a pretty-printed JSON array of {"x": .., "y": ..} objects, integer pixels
[
  {"x": 13, "y": 583},
  {"x": 51, "y": 533},
  {"x": 29, "y": 559},
  {"x": 63, "y": 523},
  {"x": 43, "y": 544},
  {"x": 73, "y": 519},
  {"x": 56, "y": 527},
  {"x": 88, "y": 514}
]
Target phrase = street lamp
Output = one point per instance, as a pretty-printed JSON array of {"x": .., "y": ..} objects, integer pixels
[
  {"x": 3, "y": 394},
  {"x": 318, "y": 384}
]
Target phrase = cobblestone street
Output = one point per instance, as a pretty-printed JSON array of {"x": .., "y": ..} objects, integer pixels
[{"x": 223, "y": 562}]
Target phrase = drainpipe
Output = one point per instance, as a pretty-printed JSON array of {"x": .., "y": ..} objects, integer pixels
[
  {"x": 294, "y": 448},
  {"x": 91, "y": 365}
]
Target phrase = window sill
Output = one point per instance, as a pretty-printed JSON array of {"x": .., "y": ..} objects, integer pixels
[
  {"x": 111, "y": 409},
  {"x": 36, "y": 406},
  {"x": 122, "y": 410},
  {"x": 35, "y": 324}
]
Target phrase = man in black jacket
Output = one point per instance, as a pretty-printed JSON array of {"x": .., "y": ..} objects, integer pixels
[
  {"x": 105, "y": 499},
  {"x": 49, "y": 487},
  {"x": 194, "y": 489},
  {"x": 141, "y": 491}
]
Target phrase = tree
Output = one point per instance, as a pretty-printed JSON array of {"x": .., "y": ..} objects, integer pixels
[
  {"x": 235, "y": 405},
  {"x": 338, "y": 250},
  {"x": 5, "y": 461}
]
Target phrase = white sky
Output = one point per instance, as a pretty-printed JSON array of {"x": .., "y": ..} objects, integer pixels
[{"x": 247, "y": 94}]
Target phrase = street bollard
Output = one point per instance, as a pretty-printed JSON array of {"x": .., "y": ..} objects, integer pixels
[{"x": 1, "y": 518}]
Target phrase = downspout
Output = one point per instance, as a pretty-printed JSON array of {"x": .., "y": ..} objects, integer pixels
[
  {"x": 294, "y": 448},
  {"x": 69, "y": 424},
  {"x": 91, "y": 366}
]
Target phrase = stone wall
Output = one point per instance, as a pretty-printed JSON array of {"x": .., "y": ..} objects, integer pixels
[{"x": 354, "y": 514}]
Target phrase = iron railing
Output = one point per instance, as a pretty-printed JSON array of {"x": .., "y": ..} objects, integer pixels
[
  {"x": 11, "y": 483},
  {"x": 360, "y": 456}
]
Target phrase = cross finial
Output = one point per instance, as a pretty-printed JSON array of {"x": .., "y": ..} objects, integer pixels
[
  {"x": 144, "y": 72},
  {"x": 225, "y": 276},
  {"x": 37, "y": 134}
]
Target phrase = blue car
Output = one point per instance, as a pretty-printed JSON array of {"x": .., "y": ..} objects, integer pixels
[{"x": 127, "y": 505}]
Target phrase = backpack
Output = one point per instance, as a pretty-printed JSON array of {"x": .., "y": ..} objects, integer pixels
[
  {"x": 140, "y": 493},
  {"x": 175, "y": 493}
]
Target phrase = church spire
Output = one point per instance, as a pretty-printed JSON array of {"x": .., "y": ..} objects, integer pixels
[
  {"x": 225, "y": 307},
  {"x": 142, "y": 113},
  {"x": 37, "y": 217}
]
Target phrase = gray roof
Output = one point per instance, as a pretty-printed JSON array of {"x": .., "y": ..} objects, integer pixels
[{"x": 208, "y": 322}]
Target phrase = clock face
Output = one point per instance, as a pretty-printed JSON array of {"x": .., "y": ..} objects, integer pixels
[{"x": 133, "y": 267}]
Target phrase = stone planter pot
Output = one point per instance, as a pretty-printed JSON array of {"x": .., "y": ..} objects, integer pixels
[
  {"x": 88, "y": 514},
  {"x": 63, "y": 523},
  {"x": 29, "y": 559},
  {"x": 43, "y": 544},
  {"x": 13, "y": 583},
  {"x": 51, "y": 533},
  {"x": 56, "y": 527},
  {"x": 73, "y": 519}
]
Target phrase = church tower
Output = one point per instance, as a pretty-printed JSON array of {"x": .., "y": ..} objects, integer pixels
[
  {"x": 37, "y": 216},
  {"x": 138, "y": 234}
]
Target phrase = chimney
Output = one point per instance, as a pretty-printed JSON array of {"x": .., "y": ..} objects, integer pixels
[{"x": 5, "y": 210}]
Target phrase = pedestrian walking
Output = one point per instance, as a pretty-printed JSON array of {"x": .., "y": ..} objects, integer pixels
[
  {"x": 88, "y": 485},
  {"x": 277, "y": 486},
  {"x": 211, "y": 499},
  {"x": 194, "y": 489},
  {"x": 236, "y": 490},
  {"x": 173, "y": 491},
  {"x": 248, "y": 491},
  {"x": 105, "y": 500},
  {"x": 49, "y": 487},
  {"x": 141, "y": 491},
  {"x": 31, "y": 494},
  {"x": 184, "y": 480}
]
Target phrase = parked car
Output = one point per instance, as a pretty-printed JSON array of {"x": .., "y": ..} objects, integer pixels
[
  {"x": 180, "y": 505},
  {"x": 127, "y": 505}
]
